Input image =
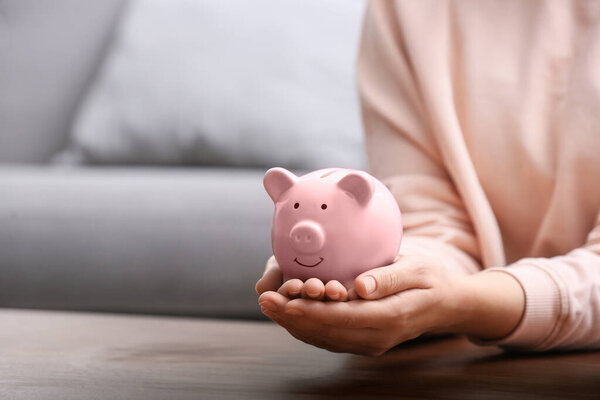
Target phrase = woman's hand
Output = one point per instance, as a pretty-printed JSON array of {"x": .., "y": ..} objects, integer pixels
[
  {"x": 401, "y": 301},
  {"x": 398, "y": 302}
]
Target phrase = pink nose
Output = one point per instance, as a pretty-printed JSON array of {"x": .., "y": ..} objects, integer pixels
[{"x": 307, "y": 237}]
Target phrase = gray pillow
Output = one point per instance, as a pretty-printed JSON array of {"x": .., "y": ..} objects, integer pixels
[{"x": 236, "y": 82}]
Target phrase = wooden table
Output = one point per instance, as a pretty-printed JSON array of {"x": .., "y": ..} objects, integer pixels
[{"x": 60, "y": 355}]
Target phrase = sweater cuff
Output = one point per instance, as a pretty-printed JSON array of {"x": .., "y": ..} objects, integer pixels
[
  {"x": 451, "y": 257},
  {"x": 543, "y": 304}
]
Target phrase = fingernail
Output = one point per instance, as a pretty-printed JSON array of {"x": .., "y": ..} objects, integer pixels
[
  {"x": 268, "y": 305},
  {"x": 369, "y": 283},
  {"x": 294, "y": 311}
]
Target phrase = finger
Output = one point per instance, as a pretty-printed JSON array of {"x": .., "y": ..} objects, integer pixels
[
  {"x": 272, "y": 302},
  {"x": 291, "y": 288},
  {"x": 406, "y": 273},
  {"x": 349, "y": 314},
  {"x": 359, "y": 341},
  {"x": 313, "y": 289},
  {"x": 271, "y": 279},
  {"x": 335, "y": 291}
]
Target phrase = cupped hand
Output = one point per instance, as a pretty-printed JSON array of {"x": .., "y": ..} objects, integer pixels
[
  {"x": 313, "y": 288},
  {"x": 398, "y": 302}
]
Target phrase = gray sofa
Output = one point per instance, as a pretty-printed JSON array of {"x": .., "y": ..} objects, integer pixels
[{"x": 141, "y": 239}]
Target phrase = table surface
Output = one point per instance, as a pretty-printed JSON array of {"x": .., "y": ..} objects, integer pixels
[{"x": 65, "y": 355}]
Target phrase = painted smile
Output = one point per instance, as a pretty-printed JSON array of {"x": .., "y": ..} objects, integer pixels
[{"x": 309, "y": 266}]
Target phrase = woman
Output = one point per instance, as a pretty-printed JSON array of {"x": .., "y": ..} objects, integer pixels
[{"x": 483, "y": 117}]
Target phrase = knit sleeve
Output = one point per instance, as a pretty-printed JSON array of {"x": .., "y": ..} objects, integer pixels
[
  {"x": 402, "y": 151},
  {"x": 562, "y": 300}
]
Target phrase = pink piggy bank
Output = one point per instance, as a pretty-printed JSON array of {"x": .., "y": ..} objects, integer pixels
[{"x": 332, "y": 224}]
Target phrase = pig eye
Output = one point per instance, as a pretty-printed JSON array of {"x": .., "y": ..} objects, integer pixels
[
  {"x": 296, "y": 205},
  {"x": 323, "y": 206}
]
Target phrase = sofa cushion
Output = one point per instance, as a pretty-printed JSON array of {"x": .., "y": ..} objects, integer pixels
[
  {"x": 171, "y": 241},
  {"x": 49, "y": 51},
  {"x": 236, "y": 83}
]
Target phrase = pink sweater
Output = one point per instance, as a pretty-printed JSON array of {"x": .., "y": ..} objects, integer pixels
[{"x": 484, "y": 119}]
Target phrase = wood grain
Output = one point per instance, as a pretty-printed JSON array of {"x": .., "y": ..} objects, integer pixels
[{"x": 61, "y": 355}]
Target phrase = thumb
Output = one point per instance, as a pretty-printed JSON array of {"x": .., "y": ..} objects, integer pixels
[
  {"x": 272, "y": 278},
  {"x": 390, "y": 279}
]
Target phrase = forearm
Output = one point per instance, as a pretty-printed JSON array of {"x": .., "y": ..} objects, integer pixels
[{"x": 489, "y": 305}]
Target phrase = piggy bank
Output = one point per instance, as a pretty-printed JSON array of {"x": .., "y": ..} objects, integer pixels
[{"x": 332, "y": 224}]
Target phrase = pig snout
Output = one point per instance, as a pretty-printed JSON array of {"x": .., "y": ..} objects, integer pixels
[{"x": 307, "y": 237}]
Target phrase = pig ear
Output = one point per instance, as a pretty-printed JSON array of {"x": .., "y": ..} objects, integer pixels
[
  {"x": 357, "y": 186},
  {"x": 277, "y": 181}
]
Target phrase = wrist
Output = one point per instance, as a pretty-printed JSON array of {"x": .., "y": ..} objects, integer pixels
[{"x": 491, "y": 303}]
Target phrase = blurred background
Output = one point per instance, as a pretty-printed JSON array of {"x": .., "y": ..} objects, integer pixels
[{"x": 134, "y": 135}]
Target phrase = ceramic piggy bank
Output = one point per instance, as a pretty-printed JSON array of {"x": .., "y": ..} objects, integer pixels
[{"x": 332, "y": 224}]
